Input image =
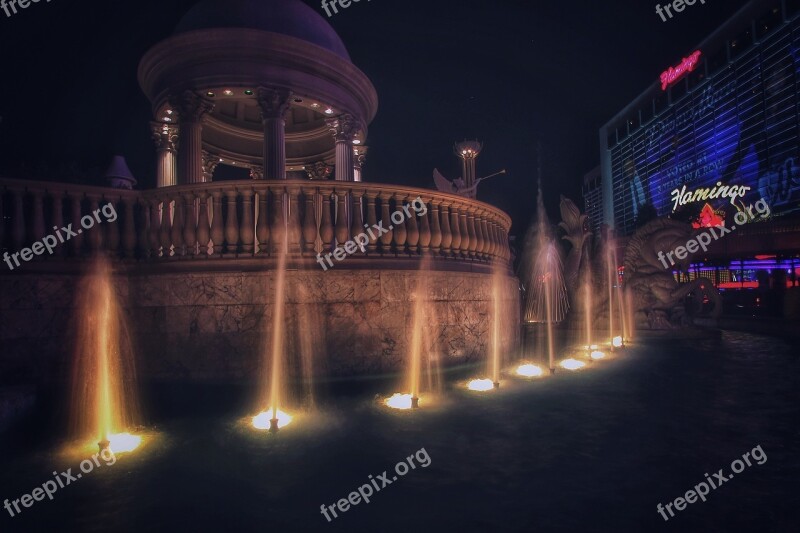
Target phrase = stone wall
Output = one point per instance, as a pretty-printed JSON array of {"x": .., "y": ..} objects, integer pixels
[{"x": 217, "y": 326}]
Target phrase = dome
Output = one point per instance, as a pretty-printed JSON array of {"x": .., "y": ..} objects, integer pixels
[{"x": 287, "y": 17}]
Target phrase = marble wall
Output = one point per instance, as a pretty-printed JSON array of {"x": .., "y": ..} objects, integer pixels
[{"x": 217, "y": 326}]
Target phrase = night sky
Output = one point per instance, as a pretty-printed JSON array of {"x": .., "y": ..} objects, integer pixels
[{"x": 509, "y": 73}]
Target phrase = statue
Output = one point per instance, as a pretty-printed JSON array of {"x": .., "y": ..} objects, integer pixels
[
  {"x": 457, "y": 186},
  {"x": 657, "y": 297}
]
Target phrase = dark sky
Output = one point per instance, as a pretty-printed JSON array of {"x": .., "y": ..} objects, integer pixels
[{"x": 508, "y": 72}]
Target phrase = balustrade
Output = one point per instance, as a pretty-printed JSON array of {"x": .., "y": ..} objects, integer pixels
[{"x": 251, "y": 219}]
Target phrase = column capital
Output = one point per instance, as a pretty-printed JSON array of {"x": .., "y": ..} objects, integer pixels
[
  {"x": 165, "y": 136},
  {"x": 257, "y": 172},
  {"x": 191, "y": 106},
  {"x": 318, "y": 171},
  {"x": 210, "y": 163},
  {"x": 274, "y": 103},
  {"x": 360, "y": 156},
  {"x": 344, "y": 127}
]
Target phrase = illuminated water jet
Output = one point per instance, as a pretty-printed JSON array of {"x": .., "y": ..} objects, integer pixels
[
  {"x": 272, "y": 394},
  {"x": 104, "y": 401}
]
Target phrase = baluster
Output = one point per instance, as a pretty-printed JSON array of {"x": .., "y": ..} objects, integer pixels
[
  {"x": 203, "y": 227},
  {"x": 246, "y": 228},
  {"x": 217, "y": 227},
  {"x": 262, "y": 226},
  {"x": 479, "y": 236},
  {"x": 455, "y": 229},
  {"x": 96, "y": 240},
  {"x": 447, "y": 234},
  {"x": 111, "y": 231},
  {"x": 166, "y": 222},
  {"x": 277, "y": 227},
  {"x": 129, "y": 231},
  {"x": 386, "y": 222},
  {"x": 400, "y": 230},
  {"x": 473, "y": 237},
  {"x": 309, "y": 220},
  {"x": 58, "y": 219},
  {"x": 487, "y": 239},
  {"x": 341, "y": 217},
  {"x": 473, "y": 221},
  {"x": 371, "y": 221},
  {"x": 155, "y": 228},
  {"x": 493, "y": 240},
  {"x": 413, "y": 237},
  {"x": 18, "y": 223},
  {"x": 462, "y": 227},
  {"x": 176, "y": 233},
  {"x": 358, "y": 216},
  {"x": 326, "y": 227},
  {"x": 231, "y": 224},
  {"x": 294, "y": 225},
  {"x": 144, "y": 227},
  {"x": 505, "y": 250},
  {"x": 425, "y": 233},
  {"x": 190, "y": 224}
]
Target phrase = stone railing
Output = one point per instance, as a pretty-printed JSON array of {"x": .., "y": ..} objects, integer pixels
[{"x": 253, "y": 219}]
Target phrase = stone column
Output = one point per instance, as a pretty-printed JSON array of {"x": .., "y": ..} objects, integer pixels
[
  {"x": 344, "y": 128},
  {"x": 274, "y": 105},
  {"x": 192, "y": 109},
  {"x": 166, "y": 139}
]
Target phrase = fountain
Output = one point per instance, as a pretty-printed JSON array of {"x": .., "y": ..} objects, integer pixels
[
  {"x": 547, "y": 302},
  {"x": 104, "y": 399},
  {"x": 495, "y": 359},
  {"x": 421, "y": 341},
  {"x": 272, "y": 394}
]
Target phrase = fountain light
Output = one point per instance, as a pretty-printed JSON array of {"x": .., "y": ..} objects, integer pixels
[
  {"x": 592, "y": 347},
  {"x": 597, "y": 354},
  {"x": 529, "y": 371},
  {"x": 265, "y": 419},
  {"x": 616, "y": 342},
  {"x": 399, "y": 400},
  {"x": 572, "y": 364},
  {"x": 123, "y": 442},
  {"x": 481, "y": 385}
]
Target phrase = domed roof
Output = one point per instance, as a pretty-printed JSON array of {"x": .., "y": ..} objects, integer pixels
[{"x": 287, "y": 17}]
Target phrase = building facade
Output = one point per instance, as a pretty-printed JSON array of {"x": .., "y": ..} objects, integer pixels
[{"x": 717, "y": 132}]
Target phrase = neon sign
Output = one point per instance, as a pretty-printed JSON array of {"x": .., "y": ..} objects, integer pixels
[
  {"x": 673, "y": 74},
  {"x": 682, "y": 196}
]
